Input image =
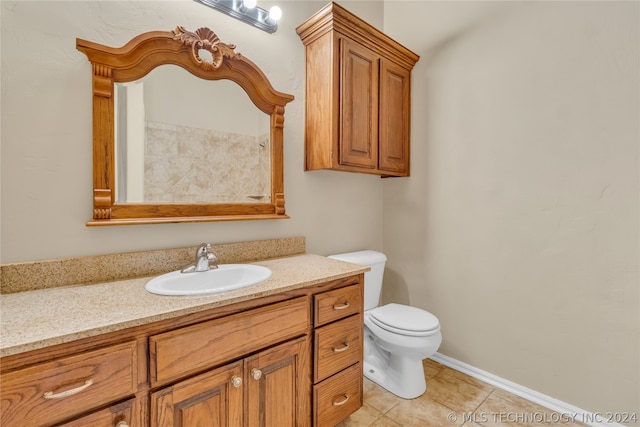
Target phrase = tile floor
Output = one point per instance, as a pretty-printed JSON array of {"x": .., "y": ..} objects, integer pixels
[{"x": 452, "y": 399}]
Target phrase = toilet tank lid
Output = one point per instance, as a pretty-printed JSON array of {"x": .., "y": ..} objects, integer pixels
[{"x": 366, "y": 257}]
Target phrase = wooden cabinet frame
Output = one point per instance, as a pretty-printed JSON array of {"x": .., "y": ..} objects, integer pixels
[{"x": 358, "y": 88}]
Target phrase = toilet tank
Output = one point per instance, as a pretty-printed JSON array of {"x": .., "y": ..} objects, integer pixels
[{"x": 373, "y": 278}]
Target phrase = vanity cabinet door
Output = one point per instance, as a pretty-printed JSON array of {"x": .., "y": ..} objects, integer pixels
[
  {"x": 269, "y": 389},
  {"x": 213, "y": 399},
  {"x": 278, "y": 386}
]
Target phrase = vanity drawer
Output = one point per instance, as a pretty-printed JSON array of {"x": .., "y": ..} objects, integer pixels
[
  {"x": 338, "y": 397},
  {"x": 108, "y": 417},
  {"x": 336, "y": 304},
  {"x": 337, "y": 346},
  {"x": 194, "y": 348},
  {"x": 52, "y": 391}
]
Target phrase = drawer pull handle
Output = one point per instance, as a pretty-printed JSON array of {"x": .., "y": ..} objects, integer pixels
[
  {"x": 341, "y": 306},
  {"x": 345, "y": 347},
  {"x": 235, "y": 380},
  {"x": 52, "y": 395},
  {"x": 341, "y": 402},
  {"x": 256, "y": 374},
  {"x": 122, "y": 424}
]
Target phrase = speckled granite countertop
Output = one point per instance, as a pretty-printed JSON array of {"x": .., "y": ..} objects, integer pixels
[{"x": 40, "y": 318}]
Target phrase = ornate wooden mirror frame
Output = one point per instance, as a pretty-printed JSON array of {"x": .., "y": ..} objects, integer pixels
[{"x": 183, "y": 48}]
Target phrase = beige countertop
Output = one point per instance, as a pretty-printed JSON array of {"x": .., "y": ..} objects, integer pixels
[{"x": 35, "y": 319}]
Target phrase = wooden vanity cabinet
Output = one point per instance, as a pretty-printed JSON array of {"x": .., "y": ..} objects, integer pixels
[
  {"x": 358, "y": 80},
  {"x": 288, "y": 359},
  {"x": 267, "y": 388}
]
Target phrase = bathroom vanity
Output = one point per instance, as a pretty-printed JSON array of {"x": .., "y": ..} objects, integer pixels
[{"x": 285, "y": 352}]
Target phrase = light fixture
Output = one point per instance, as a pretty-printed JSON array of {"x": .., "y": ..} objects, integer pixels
[
  {"x": 275, "y": 13},
  {"x": 250, "y": 4},
  {"x": 248, "y": 11}
]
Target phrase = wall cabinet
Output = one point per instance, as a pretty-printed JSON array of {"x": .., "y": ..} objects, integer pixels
[
  {"x": 292, "y": 359},
  {"x": 358, "y": 84}
]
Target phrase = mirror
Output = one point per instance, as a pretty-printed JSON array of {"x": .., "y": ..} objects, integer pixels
[
  {"x": 169, "y": 155},
  {"x": 159, "y": 156}
]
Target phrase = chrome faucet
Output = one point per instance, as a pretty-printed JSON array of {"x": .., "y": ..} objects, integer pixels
[{"x": 205, "y": 260}]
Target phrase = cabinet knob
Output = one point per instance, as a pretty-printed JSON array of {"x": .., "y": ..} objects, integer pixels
[
  {"x": 236, "y": 381},
  {"x": 122, "y": 424},
  {"x": 256, "y": 374}
]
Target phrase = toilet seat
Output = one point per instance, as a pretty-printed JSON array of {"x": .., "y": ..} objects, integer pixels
[{"x": 405, "y": 320}]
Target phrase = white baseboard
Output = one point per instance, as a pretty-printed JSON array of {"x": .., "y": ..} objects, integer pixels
[{"x": 549, "y": 402}]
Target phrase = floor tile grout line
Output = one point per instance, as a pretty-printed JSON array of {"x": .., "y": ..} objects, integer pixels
[
  {"x": 486, "y": 387},
  {"x": 474, "y": 413},
  {"x": 441, "y": 372}
]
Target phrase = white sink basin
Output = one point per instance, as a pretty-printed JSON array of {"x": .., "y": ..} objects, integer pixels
[{"x": 224, "y": 278}]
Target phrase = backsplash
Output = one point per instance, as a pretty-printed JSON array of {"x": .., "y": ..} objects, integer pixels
[
  {"x": 188, "y": 164},
  {"x": 20, "y": 277}
]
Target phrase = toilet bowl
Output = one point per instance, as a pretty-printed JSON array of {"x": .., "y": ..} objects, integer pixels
[{"x": 397, "y": 337}]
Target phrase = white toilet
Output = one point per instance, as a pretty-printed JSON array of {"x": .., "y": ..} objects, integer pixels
[{"x": 397, "y": 337}]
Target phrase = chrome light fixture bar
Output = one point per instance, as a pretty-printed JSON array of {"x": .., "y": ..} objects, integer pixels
[{"x": 247, "y": 11}]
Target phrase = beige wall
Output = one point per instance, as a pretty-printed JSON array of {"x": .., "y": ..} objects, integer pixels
[
  {"x": 46, "y": 133},
  {"x": 519, "y": 225}
]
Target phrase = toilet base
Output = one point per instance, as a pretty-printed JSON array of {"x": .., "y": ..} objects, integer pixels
[{"x": 402, "y": 376}]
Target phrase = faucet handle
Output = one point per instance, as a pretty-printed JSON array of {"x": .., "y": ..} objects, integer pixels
[
  {"x": 203, "y": 249},
  {"x": 203, "y": 259},
  {"x": 213, "y": 260}
]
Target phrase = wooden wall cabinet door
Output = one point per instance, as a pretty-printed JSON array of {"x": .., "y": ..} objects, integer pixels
[
  {"x": 357, "y": 100},
  {"x": 358, "y": 144},
  {"x": 394, "y": 123}
]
